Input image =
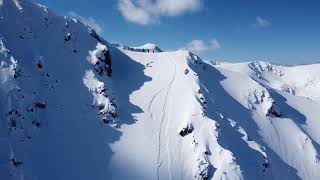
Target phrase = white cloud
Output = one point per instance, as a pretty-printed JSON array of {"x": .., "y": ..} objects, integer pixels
[
  {"x": 146, "y": 12},
  {"x": 88, "y": 21},
  {"x": 214, "y": 44},
  {"x": 198, "y": 46},
  {"x": 133, "y": 13},
  {"x": 261, "y": 22}
]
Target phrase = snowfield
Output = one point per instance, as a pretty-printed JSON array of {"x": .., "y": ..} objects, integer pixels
[{"x": 73, "y": 106}]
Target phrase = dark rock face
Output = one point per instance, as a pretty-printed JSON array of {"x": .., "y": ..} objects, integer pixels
[
  {"x": 36, "y": 124},
  {"x": 67, "y": 37},
  {"x": 95, "y": 35},
  {"x": 15, "y": 162},
  {"x": 40, "y": 105},
  {"x": 274, "y": 111},
  {"x": 107, "y": 61},
  {"x": 186, "y": 130},
  {"x": 265, "y": 165},
  {"x": 205, "y": 170},
  {"x": 108, "y": 114},
  {"x": 103, "y": 66}
]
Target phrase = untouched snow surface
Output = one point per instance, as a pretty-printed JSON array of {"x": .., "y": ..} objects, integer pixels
[{"x": 74, "y": 106}]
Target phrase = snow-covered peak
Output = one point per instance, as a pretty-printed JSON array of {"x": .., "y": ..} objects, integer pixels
[
  {"x": 300, "y": 80},
  {"x": 150, "y": 47},
  {"x": 147, "y": 48}
]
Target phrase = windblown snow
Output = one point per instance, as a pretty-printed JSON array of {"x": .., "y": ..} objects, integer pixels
[{"x": 74, "y": 106}]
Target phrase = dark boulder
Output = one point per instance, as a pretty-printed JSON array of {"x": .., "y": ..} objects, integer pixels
[{"x": 186, "y": 130}]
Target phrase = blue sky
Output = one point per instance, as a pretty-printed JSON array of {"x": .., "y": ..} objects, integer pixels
[{"x": 281, "y": 31}]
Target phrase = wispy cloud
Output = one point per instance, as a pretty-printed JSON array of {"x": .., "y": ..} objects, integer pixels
[
  {"x": 145, "y": 12},
  {"x": 198, "y": 46},
  {"x": 88, "y": 21},
  {"x": 262, "y": 22}
]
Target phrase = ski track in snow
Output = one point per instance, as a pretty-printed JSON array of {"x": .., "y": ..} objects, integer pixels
[
  {"x": 152, "y": 100},
  {"x": 161, "y": 123},
  {"x": 167, "y": 128}
]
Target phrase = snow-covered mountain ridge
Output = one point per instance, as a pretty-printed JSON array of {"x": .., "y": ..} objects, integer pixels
[
  {"x": 300, "y": 80},
  {"x": 74, "y": 106}
]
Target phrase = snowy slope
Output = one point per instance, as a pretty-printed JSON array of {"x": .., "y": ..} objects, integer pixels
[
  {"x": 243, "y": 126},
  {"x": 74, "y": 106},
  {"x": 54, "y": 96},
  {"x": 292, "y": 133},
  {"x": 300, "y": 80}
]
